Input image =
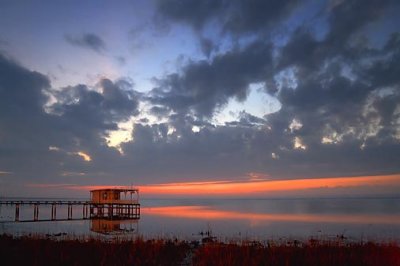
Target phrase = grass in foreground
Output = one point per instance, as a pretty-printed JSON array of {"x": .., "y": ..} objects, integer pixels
[
  {"x": 37, "y": 251},
  {"x": 311, "y": 253},
  {"x": 40, "y": 251}
]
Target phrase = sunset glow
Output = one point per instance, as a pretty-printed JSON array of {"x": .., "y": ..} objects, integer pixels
[
  {"x": 253, "y": 187},
  {"x": 256, "y": 187}
]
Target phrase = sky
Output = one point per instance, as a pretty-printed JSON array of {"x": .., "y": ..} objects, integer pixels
[{"x": 210, "y": 98}]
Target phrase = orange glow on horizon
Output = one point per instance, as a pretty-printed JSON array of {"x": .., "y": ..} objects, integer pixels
[
  {"x": 259, "y": 186},
  {"x": 248, "y": 187},
  {"x": 207, "y": 213}
]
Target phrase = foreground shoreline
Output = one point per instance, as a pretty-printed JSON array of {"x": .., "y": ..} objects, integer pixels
[{"x": 41, "y": 250}]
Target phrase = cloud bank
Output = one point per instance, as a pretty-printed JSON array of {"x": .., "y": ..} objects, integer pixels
[{"x": 336, "y": 79}]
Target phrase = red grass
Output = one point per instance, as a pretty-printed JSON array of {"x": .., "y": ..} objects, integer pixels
[
  {"x": 28, "y": 251},
  {"x": 312, "y": 253},
  {"x": 42, "y": 251}
]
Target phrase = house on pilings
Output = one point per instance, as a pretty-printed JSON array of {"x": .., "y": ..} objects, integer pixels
[{"x": 115, "y": 203}]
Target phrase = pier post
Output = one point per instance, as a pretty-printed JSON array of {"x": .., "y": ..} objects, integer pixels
[
  {"x": 69, "y": 211},
  {"x": 17, "y": 212},
  {"x": 35, "y": 212},
  {"x": 84, "y": 211},
  {"x": 53, "y": 215}
]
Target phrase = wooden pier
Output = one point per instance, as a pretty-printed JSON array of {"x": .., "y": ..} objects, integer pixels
[
  {"x": 104, "y": 204},
  {"x": 89, "y": 210}
]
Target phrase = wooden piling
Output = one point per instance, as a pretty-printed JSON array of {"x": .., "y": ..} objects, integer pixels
[
  {"x": 17, "y": 212},
  {"x": 53, "y": 212},
  {"x": 69, "y": 211},
  {"x": 36, "y": 212}
]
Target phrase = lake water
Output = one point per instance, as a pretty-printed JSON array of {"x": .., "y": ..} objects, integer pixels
[{"x": 228, "y": 219}]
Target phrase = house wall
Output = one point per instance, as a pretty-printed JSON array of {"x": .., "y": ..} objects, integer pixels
[
  {"x": 105, "y": 196},
  {"x": 110, "y": 196}
]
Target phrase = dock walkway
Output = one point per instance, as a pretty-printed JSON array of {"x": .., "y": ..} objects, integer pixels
[{"x": 90, "y": 209}]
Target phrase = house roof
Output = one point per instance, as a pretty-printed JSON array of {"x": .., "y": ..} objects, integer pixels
[{"x": 116, "y": 189}]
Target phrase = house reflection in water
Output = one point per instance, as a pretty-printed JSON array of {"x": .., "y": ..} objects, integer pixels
[{"x": 114, "y": 227}]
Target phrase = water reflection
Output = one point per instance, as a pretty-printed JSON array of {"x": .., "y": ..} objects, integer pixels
[
  {"x": 226, "y": 218},
  {"x": 114, "y": 227},
  {"x": 207, "y": 213}
]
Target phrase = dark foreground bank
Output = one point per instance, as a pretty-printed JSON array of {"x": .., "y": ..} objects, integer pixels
[{"x": 42, "y": 251}]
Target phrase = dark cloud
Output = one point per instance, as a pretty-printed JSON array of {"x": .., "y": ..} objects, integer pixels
[
  {"x": 186, "y": 155},
  {"x": 347, "y": 17},
  {"x": 93, "y": 110},
  {"x": 256, "y": 15},
  {"x": 247, "y": 120},
  {"x": 207, "y": 46},
  {"x": 23, "y": 122},
  {"x": 236, "y": 17},
  {"x": 160, "y": 111},
  {"x": 204, "y": 86},
  {"x": 38, "y": 143},
  {"x": 346, "y": 20},
  {"x": 341, "y": 88},
  {"x": 29, "y": 90},
  {"x": 87, "y": 40},
  {"x": 195, "y": 13}
]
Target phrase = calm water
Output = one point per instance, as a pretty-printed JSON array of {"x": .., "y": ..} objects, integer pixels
[{"x": 229, "y": 219}]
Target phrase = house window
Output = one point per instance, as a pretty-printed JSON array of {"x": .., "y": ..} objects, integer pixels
[{"x": 104, "y": 195}]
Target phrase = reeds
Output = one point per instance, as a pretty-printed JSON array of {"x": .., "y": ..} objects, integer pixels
[
  {"x": 295, "y": 253},
  {"x": 38, "y": 250}
]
